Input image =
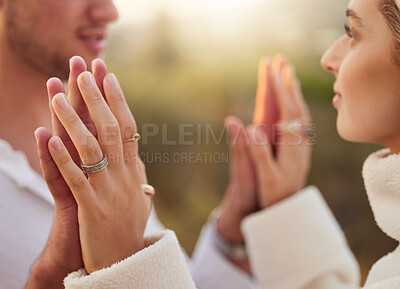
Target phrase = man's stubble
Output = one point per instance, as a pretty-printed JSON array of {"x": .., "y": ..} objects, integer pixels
[{"x": 23, "y": 39}]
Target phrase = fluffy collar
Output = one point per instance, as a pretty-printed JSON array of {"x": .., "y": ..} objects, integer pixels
[{"x": 381, "y": 172}]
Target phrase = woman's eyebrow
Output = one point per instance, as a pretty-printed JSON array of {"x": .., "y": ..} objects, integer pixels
[{"x": 352, "y": 14}]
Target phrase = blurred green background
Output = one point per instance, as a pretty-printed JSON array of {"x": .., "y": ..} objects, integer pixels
[{"x": 184, "y": 62}]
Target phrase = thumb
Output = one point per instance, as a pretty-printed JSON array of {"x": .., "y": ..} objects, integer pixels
[
  {"x": 60, "y": 191},
  {"x": 237, "y": 143}
]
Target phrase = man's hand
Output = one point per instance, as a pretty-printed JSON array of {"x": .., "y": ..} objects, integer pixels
[
  {"x": 241, "y": 197},
  {"x": 248, "y": 191},
  {"x": 62, "y": 254}
]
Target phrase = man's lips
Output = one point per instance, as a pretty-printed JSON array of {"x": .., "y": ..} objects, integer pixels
[{"x": 95, "y": 38}]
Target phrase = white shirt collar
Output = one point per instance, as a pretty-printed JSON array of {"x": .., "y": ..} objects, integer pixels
[{"x": 15, "y": 166}]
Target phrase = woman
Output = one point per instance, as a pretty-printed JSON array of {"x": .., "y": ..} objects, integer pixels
[{"x": 301, "y": 245}]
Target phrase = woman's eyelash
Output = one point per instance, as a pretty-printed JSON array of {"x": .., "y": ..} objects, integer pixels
[{"x": 348, "y": 30}]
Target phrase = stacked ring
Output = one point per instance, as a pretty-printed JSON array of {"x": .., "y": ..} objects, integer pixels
[{"x": 101, "y": 165}]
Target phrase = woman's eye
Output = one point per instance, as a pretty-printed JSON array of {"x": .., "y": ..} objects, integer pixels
[{"x": 348, "y": 30}]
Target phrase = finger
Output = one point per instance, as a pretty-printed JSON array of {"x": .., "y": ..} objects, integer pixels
[
  {"x": 283, "y": 98},
  {"x": 99, "y": 71},
  {"x": 264, "y": 90},
  {"x": 260, "y": 153},
  {"x": 108, "y": 130},
  {"x": 77, "y": 66},
  {"x": 143, "y": 180},
  {"x": 292, "y": 142},
  {"x": 142, "y": 170},
  {"x": 236, "y": 145},
  {"x": 293, "y": 145},
  {"x": 266, "y": 111},
  {"x": 71, "y": 173},
  {"x": 120, "y": 109},
  {"x": 61, "y": 193},
  {"x": 277, "y": 62},
  {"x": 291, "y": 84},
  {"x": 55, "y": 86},
  {"x": 298, "y": 98},
  {"x": 86, "y": 144},
  {"x": 241, "y": 167}
]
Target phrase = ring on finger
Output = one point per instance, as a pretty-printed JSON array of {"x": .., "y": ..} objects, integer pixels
[
  {"x": 134, "y": 138},
  {"x": 148, "y": 190},
  {"x": 293, "y": 125},
  {"x": 101, "y": 165}
]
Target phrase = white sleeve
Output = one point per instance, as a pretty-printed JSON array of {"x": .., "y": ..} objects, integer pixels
[
  {"x": 212, "y": 270},
  {"x": 161, "y": 265},
  {"x": 209, "y": 268},
  {"x": 298, "y": 244}
]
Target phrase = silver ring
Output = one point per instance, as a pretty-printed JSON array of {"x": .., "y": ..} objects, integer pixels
[
  {"x": 101, "y": 165},
  {"x": 295, "y": 124}
]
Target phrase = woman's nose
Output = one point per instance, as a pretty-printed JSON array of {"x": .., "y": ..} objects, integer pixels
[{"x": 333, "y": 57}]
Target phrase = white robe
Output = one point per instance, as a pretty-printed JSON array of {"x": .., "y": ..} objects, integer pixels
[{"x": 298, "y": 244}]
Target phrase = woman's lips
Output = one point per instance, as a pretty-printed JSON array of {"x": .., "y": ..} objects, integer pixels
[{"x": 337, "y": 99}]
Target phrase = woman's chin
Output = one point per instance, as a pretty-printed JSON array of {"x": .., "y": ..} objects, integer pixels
[
  {"x": 349, "y": 134},
  {"x": 346, "y": 136}
]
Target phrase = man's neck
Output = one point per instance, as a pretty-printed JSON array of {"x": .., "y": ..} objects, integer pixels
[{"x": 23, "y": 104}]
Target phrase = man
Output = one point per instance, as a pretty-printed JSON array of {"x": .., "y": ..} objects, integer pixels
[{"x": 37, "y": 38}]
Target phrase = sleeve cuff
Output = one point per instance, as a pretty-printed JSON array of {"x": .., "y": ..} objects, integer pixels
[
  {"x": 211, "y": 269},
  {"x": 160, "y": 265},
  {"x": 297, "y": 240}
]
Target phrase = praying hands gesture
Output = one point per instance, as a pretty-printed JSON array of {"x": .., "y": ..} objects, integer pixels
[
  {"x": 111, "y": 202},
  {"x": 270, "y": 159}
]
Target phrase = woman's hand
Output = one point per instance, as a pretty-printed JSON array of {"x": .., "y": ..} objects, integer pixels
[
  {"x": 112, "y": 207},
  {"x": 282, "y": 175}
]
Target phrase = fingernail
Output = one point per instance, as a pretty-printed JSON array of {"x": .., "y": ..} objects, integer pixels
[
  {"x": 112, "y": 80},
  {"x": 56, "y": 144},
  {"x": 35, "y": 133},
  {"x": 61, "y": 101},
  {"x": 87, "y": 79}
]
